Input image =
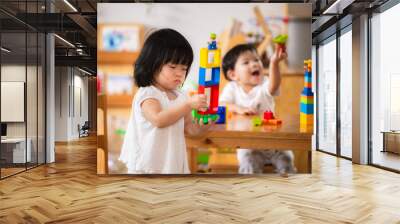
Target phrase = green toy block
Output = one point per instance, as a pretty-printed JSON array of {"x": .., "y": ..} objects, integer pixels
[
  {"x": 256, "y": 121},
  {"x": 204, "y": 117},
  {"x": 213, "y": 36},
  {"x": 280, "y": 39}
]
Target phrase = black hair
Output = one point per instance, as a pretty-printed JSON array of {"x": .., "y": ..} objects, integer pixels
[
  {"x": 161, "y": 47},
  {"x": 231, "y": 57}
]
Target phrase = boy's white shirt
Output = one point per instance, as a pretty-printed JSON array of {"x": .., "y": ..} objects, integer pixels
[
  {"x": 148, "y": 149},
  {"x": 259, "y": 98}
]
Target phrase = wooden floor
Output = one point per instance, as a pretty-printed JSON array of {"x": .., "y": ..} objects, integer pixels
[
  {"x": 386, "y": 159},
  {"x": 69, "y": 191}
]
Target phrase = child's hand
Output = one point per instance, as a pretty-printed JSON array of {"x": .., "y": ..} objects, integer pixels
[
  {"x": 278, "y": 55},
  {"x": 210, "y": 123},
  {"x": 198, "y": 102}
]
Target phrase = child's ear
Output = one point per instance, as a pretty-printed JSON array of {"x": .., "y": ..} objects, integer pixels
[{"x": 231, "y": 75}]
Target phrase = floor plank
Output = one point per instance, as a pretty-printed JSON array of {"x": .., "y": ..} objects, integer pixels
[{"x": 69, "y": 191}]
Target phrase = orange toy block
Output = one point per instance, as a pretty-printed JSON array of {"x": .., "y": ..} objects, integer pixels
[{"x": 273, "y": 121}]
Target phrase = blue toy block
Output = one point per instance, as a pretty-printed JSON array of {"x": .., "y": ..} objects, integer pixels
[
  {"x": 308, "y": 74},
  {"x": 215, "y": 75},
  {"x": 221, "y": 115},
  {"x": 307, "y": 92},
  {"x": 307, "y": 108},
  {"x": 202, "y": 76},
  {"x": 212, "y": 45},
  {"x": 307, "y": 79}
]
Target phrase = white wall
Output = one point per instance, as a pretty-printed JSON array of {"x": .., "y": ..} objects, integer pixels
[
  {"x": 12, "y": 73},
  {"x": 62, "y": 81},
  {"x": 197, "y": 21},
  {"x": 69, "y": 82},
  {"x": 33, "y": 126}
]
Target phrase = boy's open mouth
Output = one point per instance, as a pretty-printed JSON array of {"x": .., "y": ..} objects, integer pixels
[{"x": 255, "y": 73}]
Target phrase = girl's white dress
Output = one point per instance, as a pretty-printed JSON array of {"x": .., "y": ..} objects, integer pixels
[{"x": 148, "y": 149}]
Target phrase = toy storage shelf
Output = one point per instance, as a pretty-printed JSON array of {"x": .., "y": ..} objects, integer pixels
[
  {"x": 116, "y": 58},
  {"x": 119, "y": 45},
  {"x": 102, "y": 155},
  {"x": 119, "y": 101}
]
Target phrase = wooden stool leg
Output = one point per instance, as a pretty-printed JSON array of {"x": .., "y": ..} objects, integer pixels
[{"x": 302, "y": 161}]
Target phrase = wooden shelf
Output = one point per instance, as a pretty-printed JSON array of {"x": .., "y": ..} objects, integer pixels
[
  {"x": 121, "y": 57},
  {"x": 123, "y": 101},
  {"x": 116, "y": 57}
]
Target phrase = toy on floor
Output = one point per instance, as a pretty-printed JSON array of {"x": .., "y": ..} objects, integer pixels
[
  {"x": 202, "y": 162},
  {"x": 280, "y": 40},
  {"x": 210, "y": 65},
  {"x": 307, "y": 99}
]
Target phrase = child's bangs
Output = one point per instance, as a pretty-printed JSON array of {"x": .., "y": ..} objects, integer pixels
[{"x": 181, "y": 56}]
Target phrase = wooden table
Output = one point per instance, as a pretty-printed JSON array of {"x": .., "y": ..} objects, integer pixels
[{"x": 239, "y": 132}]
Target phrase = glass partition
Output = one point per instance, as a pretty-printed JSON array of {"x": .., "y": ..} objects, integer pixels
[{"x": 326, "y": 76}]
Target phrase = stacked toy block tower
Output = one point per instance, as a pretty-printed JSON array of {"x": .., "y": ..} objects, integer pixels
[
  {"x": 307, "y": 98},
  {"x": 209, "y": 76}
]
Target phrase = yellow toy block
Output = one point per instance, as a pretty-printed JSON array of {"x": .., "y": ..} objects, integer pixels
[
  {"x": 206, "y": 62},
  {"x": 307, "y": 64},
  {"x": 307, "y": 99},
  {"x": 306, "y": 128},
  {"x": 306, "y": 119}
]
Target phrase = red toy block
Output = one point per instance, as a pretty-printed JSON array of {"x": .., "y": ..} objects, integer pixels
[
  {"x": 214, "y": 93},
  {"x": 201, "y": 89},
  {"x": 214, "y": 99},
  {"x": 268, "y": 115}
]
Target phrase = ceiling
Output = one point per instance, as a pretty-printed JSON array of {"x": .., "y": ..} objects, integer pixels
[{"x": 76, "y": 23}]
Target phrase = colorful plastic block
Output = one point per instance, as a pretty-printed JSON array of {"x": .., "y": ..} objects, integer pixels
[
  {"x": 214, "y": 95},
  {"x": 306, "y": 128},
  {"x": 205, "y": 61},
  {"x": 214, "y": 99},
  {"x": 307, "y": 65},
  {"x": 307, "y": 108},
  {"x": 212, "y": 45},
  {"x": 221, "y": 115},
  {"x": 268, "y": 115},
  {"x": 280, "y": 40},
  {"x": 307, "y": 79},
  {"x": 307, "y": 92},
  {"x": 306, "y": 118},
  {"x": 215, "y": 76},
  {"x": 273, "y": 121},
  {"x": 203, "y": 157},
  {"x": 307, "y": 99},
  {"x": 210, "y": 58},
  {"x": 203, "y": 118},
  {"x": 256, "y": 121}
]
